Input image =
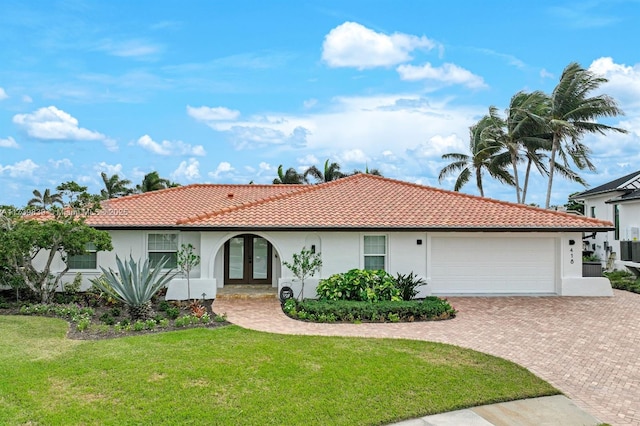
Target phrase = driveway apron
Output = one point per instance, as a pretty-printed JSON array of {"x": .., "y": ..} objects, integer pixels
[{"x": 587, "y": 347}]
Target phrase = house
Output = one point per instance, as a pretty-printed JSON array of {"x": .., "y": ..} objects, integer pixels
[
  {"x": 460, "y": 244},
  {"x": 617, "y": 201}
]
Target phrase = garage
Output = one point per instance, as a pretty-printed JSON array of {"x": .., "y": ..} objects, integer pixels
[{"x": 493, "y": 265}]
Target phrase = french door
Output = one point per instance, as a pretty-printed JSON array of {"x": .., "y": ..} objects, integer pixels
[{"x": 247, "y": 260}]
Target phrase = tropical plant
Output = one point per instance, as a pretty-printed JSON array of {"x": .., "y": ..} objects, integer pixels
[
  {"x": 572, "y": 113},
  {"x": 408, "y": 284},
  {"x": 45, "y": 199},
  {"x": 331, "y": 172},
  {"x": 115, "y": 187},
  {"x": 304, "y": 265},
  {"x": 135, "y": 285},
  {"x": 368, "y": 171},
  {"x": 187, "y": 260},
  {"x": 153, "y": 182},
  {"x": 359, "y": 284},
  {"x": 290, "y": 177},
  {"x": 481, "y": 159}
]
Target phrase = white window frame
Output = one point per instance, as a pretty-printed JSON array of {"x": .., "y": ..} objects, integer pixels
[
  {"x": 93, "y": 251},
  {"x": 385, "y": 255},
  {"x": 148, "y": 250}
]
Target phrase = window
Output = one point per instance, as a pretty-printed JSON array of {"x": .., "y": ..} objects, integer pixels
[
  {"x": 88, "y": 260},
  {"x": 375, "y": 252},
  {"x": 593, "y": 211},
  {"x": 616, "y": 221},
  {"x": 163, "y": 246}
]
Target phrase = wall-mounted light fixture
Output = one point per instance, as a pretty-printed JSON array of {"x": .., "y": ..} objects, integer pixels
[
  {"x": 313, "y": 248},
  {"x": 572, "y": 242},
  {"x": 419, "y": 242}
]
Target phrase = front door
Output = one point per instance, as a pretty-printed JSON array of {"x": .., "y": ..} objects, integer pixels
[{"x": 247, "y": 260}]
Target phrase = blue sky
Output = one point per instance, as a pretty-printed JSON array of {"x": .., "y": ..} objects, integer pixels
[{"x": 224, "y": 92}]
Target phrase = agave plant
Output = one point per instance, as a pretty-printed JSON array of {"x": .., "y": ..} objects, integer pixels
[{"x": 135, "y": 285}]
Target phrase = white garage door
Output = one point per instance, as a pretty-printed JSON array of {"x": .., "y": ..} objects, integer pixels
[{"x": 492, "y": 265}]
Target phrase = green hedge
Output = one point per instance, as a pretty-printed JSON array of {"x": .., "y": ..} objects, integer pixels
[
  {"x": 623, "y": 280},
  {"x": 431, "y": 308}
]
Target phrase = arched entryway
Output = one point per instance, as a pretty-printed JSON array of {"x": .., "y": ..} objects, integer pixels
[{"x": 248, "y": 260}]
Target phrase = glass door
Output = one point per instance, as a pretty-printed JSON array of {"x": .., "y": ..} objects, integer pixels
[{"x": 247, "y": 260}]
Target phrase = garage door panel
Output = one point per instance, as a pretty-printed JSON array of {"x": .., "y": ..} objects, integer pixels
[{"x": 492, "y": 265}]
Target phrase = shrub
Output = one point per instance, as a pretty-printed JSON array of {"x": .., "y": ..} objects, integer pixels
[
  {"x": 107, "y": 319},
  {"x": 139, "y": 325},
  {"x": 359, "y": 285},
  {"x": 623, "y": 280},
  {"x": 407, "y": 285},
  {"x": 431, "y": 308},
  {"x": 172, "y": 312},
  {"x": 163, "y": 306}
]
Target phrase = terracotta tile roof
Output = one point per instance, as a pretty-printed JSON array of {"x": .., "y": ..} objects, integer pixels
[{"x": 358, "y": 202}]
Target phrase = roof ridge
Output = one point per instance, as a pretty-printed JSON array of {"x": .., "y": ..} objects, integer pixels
[{"x": 304, "y": 188}]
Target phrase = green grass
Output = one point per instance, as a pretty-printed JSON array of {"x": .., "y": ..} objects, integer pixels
[{"x": 231, "y": 375}]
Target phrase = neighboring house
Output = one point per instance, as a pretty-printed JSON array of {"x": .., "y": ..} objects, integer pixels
[
  {"x": 617, "y": 201},
  {"x": 460, "y": 244}
]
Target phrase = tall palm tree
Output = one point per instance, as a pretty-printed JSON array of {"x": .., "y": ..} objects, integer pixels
[
  {"x": 45, "y": 199},
  {"x": 153, "y": 182},
  {"x": 290, "y": 177},
  {"x": 331, "y": 172},
  {"x": 114, "y": 186},
  {"x": 481, "y": 159},
  {"x": 572, "y": 113},
  {"x": 515, "y": 132}
]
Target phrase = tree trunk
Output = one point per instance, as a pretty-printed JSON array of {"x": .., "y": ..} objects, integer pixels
[
  {"x": 514, "y": 163},
  {"x": 479, "y": 181},
  {"x": 526, "y": 182},
  {"x": 552, "y": 168}
]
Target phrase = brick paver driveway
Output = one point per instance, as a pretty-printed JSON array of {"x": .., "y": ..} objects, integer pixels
[{"x": 589, "y": 348}]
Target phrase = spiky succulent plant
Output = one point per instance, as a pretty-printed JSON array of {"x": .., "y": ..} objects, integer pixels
[{"x": 135, "y": 285}]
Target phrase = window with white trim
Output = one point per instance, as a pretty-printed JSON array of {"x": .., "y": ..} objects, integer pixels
[
  {"x": 161, "y": 246},
  {"x": 375, "y": 252},
  {"x": 87, "y": 260}
]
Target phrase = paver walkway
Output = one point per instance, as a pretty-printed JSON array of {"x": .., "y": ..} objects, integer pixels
[{"x": 589, "y": 348}]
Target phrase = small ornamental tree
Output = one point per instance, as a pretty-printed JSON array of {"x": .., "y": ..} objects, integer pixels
[
  {"x": 187, "y": 260},
  {"x": 305, "y": 264}
]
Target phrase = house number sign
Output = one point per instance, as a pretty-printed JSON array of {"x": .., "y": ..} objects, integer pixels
[{"x": 571, "y": 257}]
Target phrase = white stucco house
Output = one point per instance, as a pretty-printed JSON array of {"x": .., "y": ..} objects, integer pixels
[
  {"x": 617, "y": 201},
  {"x": 460, "y": 244}
]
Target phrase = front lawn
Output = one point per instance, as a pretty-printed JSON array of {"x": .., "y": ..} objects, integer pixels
[{"x": 230, "y": 375}]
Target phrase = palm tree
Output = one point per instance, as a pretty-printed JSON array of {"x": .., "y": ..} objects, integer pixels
[
  {"x": 114, "y": 186},
  {"x": 515, "y": 132},
  {"x": 153, "y": 182},
  {"x": 482, "y": 158},
  {"x": 290, "y": 177},
  {"x": 45, "y": 199},
  {"x": 368, "y": 171},
  {"x": 331, "y": 172},
  {"x": 572, "y": 113}
]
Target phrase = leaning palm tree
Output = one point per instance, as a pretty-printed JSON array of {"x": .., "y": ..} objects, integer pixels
[
  {"x": 481, "y": 159},
  {"x": 290, "y": 177},
  {"x": 114, "y": 187},
  {"x": 45, "y": 199},
  {"x": 153, "y": 182},
  {"x": 572, "y": 113},
  {"x": 331, "y": 172}
]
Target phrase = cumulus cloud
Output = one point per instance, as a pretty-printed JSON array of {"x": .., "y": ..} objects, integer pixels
[
  {"x": 448, "y": 74},
  {"x": 64, "y": 163},
  {"x": 9, "y": 143},
  {"x": 308, "y": 160},
  {"x": 189, "y": 171},
  {"x": 20, "y": 169},
  {"x": 109, "y": 169},
  {"x": 51, "y": 123},
  {"x": 170, "y": 148},
  {"x": 3, "y": 94},
  {"x": 624, "y": 80},
  {"x": 223, "y": 168},
  {"x": 354, "y": 45},
  {"x": 206, "y": 114}
]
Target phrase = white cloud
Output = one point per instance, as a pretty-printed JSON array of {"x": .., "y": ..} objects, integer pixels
[
  {"x": 109, "y": 169},
  {"x": 308, "y": 160},
  {"x": 310, "y": 103},
  {"x": 546, "y": 74},
  {"x": 64, "y": 163},
  {"x": 9, "y": 143},
  {"x": 206, "y": 114},
  {"x": 223, "y": 168},
  {"x": 624, "y": 81},
  {"x": 130, "y": 48},
  {"x": 3, "y": 94},
  {"x": 20, "y": 169},
  {"x": 264, "y": 166},
  {"x": 447, "y": 73},
  {"x": 27, "y": 99},
  {"x": 353, "y": 45},
  {"x": 170, "y": 148},
  {"x": 439, "y": 145},
  {"x": 51, "y": 123},
  {"x": 354, "y": 156},
  {"x": 189, "y": 171}
]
